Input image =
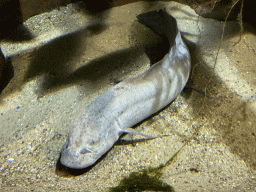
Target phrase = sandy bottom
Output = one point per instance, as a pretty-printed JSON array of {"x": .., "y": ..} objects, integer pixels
[{"x": 69, "y": 58}]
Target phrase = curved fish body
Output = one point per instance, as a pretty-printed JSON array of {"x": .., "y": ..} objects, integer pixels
[{"x": 99, "y": 126}]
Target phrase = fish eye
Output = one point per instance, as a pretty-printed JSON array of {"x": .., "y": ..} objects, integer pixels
[
  {"x": 84, "y": 151},
  {"x": 92, "y": 142}
]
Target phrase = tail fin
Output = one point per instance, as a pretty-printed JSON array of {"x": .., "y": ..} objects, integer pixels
[{"x": 161, "y": 23}]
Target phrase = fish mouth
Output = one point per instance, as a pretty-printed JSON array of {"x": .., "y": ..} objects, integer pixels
[
  {"x": 73, "y": 162},
  {"x": 81, "y": 159}
]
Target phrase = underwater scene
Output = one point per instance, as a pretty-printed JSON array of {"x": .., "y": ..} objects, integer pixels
[{"x": 146, "y": 96}]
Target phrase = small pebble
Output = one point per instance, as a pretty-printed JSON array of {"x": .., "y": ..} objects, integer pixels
[{"x": 10, "y": 160}]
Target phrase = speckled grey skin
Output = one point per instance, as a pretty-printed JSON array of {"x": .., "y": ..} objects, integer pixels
[{"x": 99, "y": 126}]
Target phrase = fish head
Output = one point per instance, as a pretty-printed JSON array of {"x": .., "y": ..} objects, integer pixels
[{"x": 86, "y": 144}]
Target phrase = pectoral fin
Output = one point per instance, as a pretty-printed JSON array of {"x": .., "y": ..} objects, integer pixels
[{"x": 133, "y": 131}]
